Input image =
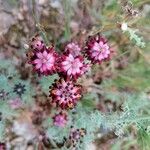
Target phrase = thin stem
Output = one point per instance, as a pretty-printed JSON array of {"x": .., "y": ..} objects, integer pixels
[
  {"x": 67, "y": 19},
  {"x": 39, "y": 26},
  {"x": 105, "y": 29},
  {"x": 137, "y": 119}
]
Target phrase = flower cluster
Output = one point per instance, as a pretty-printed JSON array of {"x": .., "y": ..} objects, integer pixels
[{"x": 74, "y": 62}]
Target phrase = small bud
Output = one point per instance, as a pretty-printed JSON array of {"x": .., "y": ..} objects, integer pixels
[
  {"x": 124, "y": 26},
  {"x": 26, "y": 46}
]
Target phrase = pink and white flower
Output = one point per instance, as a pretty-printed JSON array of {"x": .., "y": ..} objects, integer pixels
[
  {"x": 44, "y": 61},
  {"x": 73, "y": 48},
  {"x": 15, "y": 103},
  {"x": 72, "y": 67},
  {"x": 60, "y": 120},
  {"x": 65, "y": 94},
  {"x": 97, "y": 49},
  {"x": 37, "y": 43}
]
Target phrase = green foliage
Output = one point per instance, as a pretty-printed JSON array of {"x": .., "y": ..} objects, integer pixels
[
  {"x": 67, "y": 10},
  {"x": 137, "y": 39},
  {"x": 8, "y": 87},
  {"x": 143, "y": 139},
  {"x": 2, "y": 130},
  {"x": 133, "y": 114},
  {"x": 7, "y": 68},
  {"x": 46, "y": 82},
  {"x": 135, "y": 76},
  {"x": 7, "y": 112}
]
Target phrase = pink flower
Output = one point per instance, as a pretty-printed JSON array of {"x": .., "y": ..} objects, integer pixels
[
  {"x": 44, "y": 61},
  {"x": 60, "y": 119},
  {"x": 73, "y": 48},
  {"x": 72, "y": 67},
  {"x": 65, "y": 94},
  {"x": 37, "y": 43},
  {"x": 15, "y": 103},
  {"x": 97, "y": 49},
  {"x": 2, "y": 146}
]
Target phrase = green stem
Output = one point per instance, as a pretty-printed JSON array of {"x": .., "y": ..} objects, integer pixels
[
  {"x": 67, "y": 19},
  {"x": 38, "y": 25}
]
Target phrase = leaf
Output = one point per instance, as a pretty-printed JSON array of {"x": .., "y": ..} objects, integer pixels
[
  {"x": 143, "y": 139},
  {"x": 137, "y": 39},
  {"x": 2, "y": 128},
  {"x": 46, "y": 82}
]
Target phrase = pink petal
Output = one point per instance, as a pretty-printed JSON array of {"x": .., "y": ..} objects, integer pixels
[
  {"x": 67, "y": 67},
  {"x": 100, "y": 57},
  {"x": 44, "y": 67},
  {"x": 41, "y": 69},
  {"x": 101, "y": 44},
  {"x": 38, "y": 61},
  {"x": 38, "y": 66},
  {"x": 45, "y": 54},
  {"x": 39, "y": 55},
  {"x": 69, "y": 72},
  {"x": 58, "y": 92},
  {"x": 74, "y": 71},
  {"x": 49, "y": 56},
  {"x": 71, "y": 58},
  {"x": 65, "y": 62}
]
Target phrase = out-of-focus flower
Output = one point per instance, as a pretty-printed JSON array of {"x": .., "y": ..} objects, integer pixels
[
  {"x": 65, "y": 94},
  {"x": 19, "y": 89},
  {"x": 15, "y": 103},
  {"x": 3, "y": 94},
  {"x": 2, "y": 146},
  {"x": 37, "y": 43},
  {"x": 73, "y": 48},
  {"x": 124, "y": 26},
  {"x": 97, "y": 49},
  {"x": 72, "y": 67},
  {"x": 60, "y": 119},
  {"x": 76, "y": 135}
]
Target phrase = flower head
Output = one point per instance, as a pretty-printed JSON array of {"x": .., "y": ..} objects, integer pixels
[
  {"x": 2, "y": 146},
  {"x": 37, "y": 43},
  {"x": 72, "y": 67},
  {"x": 73, "y": 48},
  {"x": 19, "y": 89},
  {"x": 65, "y": 94},
  {"x": 76, "y": 135},
  {"x": 60, "y": 119},
  {"x": 3, "y": 94},
  {"x": 44, "y": 61},
  {"x": 97, "y": 49},
  {"x": 15, "y": 103}
]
